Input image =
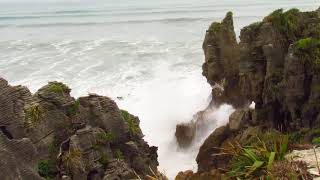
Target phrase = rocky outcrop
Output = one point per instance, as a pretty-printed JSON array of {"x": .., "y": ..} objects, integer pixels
[
  {"x": 222, "y": 56},
  {"x": 18, "y": 159},
  {"x": 185, "y": 133},
  {"x": 267, "y": 67},
  {"x": 53, "y": 135},
  {"x": 275, "y": 65},
  {"x": 205, "y": 158},
  {"x": 11, "y": 109}
]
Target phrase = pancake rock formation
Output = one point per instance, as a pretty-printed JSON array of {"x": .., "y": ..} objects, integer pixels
[
  {"x": 276, "y": 65},
  {"x": 51, "y": 135}
]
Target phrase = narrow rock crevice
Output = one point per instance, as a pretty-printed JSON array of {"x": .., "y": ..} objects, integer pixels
[{"x": 4, "y": 130}]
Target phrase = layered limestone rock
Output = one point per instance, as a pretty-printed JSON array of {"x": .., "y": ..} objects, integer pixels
[
  {"x": 18, "y": 159},
  {"x": 222, "y": 56},
  {"x": 53, "y": 135},
  {"x": 267, "y": 68},
  {"x": 275, "y": 65}
]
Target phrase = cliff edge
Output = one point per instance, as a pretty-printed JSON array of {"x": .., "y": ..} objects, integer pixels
[{"x": 276, "y": 65}]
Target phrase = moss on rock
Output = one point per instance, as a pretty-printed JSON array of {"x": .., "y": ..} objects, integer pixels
[
  {"x": 286, "y": 23},
  {"x": 309, "y": 50},
  {"x": 58, "y": 88},
  {"x": 133, "y": 126},
  {"x": 73, "y": 108}
]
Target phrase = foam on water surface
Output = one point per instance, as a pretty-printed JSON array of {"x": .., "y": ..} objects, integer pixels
[{"x": 146, "y": 51}]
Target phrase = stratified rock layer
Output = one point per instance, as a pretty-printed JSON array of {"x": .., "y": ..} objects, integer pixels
[
  {"x": 270, "y": 66},
  {"x": 276, "y": 65},
  {"x": 50, "y": 134}
]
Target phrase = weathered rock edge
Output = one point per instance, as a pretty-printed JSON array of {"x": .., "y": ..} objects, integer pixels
[
  {"x": 273, "y": 66},
  {"x": 64, "y": 138}
]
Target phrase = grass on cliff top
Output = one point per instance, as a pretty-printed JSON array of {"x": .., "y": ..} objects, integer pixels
[
  {"x": 286, "y": 23},
  {"x": 216, "y": 26},
  {"x": 309, "y": 50},
  {"x": 58, "y": 88}
]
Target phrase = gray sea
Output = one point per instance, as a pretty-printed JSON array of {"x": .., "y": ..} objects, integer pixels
[{"x": 146, "y": 51}]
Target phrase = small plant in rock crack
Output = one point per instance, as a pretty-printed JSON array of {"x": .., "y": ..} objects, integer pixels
[
  {"x": 46, "y": 169},
  {"x": 119, "y": 154},
  {"x": 104, "y": 137},
  {"x": 72, "y": 158},
  {"x": 73, "y": 109},
  {"x": 35, "y": 113}
]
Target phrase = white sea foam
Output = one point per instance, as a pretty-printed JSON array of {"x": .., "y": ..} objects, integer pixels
[{"x": 146, "y": 51}]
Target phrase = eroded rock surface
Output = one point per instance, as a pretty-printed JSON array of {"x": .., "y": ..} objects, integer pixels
[
  {"x": 53, "y": 135},
  {"x": 270, "y": 66},
  {"x": 275, "y": 65}
]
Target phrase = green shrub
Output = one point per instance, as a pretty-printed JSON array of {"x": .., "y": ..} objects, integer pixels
[
  {"x": 298, "y": 137},
  {"x": 46, "y": 169},
  {"x": 58, "y": 88},
  {"x": 316, "y": 140},
  {"x": 314, "y": 132},
  {"x": 256, "y": 160},
  {"x": 287, "y": 23},
  {"x": 250, "y": 162},
  {"x": 104, "y": 137},
  {"x": 133, "y": 126},
  {"x": 215, "y": 27},
  {"x": 309, "y": 50},
  {"x": 73, "y": 108}
]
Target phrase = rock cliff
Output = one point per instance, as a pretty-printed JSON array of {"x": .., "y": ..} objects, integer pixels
[
  {"x": 51, "y": 135},
  {"x": 276, "y": 66}
]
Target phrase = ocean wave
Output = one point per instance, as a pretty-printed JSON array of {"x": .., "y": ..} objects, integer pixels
[
  {"x": 90, "y": 13},
  {"x": 169, "y": 20},
  {"x": 166, "y": 20}
]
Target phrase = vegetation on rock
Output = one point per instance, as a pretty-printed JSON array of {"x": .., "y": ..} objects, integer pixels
[
  {"x": 34, "y": 114},
  {"x": 256, "y": 159},
  {"x": 65, "y": 139},
  {"x": 217, "y": 27},
  {"x": 72, "y": 158},
  {"x": 316, "y": 140},
  {"x": 104, "y": 137},
  {"x": 73, "y": 108},
  {"x": 58, "y": 88},
  {"x": 133, "y": 126},
  {"x": 286, "y": 23},
  {"x": 309, "y": 50},
  {"x": 103, "y": 160},
  {"x": 46, "y": 169},
  {"x": 119, "y": 154}
]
